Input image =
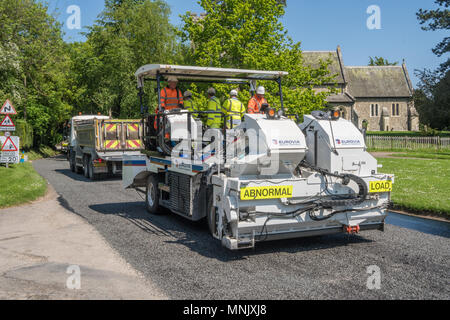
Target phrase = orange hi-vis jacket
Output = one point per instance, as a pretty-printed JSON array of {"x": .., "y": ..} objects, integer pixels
[
  {"x": 171, "y": 98},
  {"x": 254, "y": 104}
]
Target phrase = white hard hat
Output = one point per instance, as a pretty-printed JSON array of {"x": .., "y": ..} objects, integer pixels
[
  {"x": 233, "y": 93},
  {"x": 261, "y": 90},
  {"x": 172, "y": 79}
]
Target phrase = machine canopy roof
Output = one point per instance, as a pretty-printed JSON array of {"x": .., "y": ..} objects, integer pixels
[{"x": 204, "y": 73}]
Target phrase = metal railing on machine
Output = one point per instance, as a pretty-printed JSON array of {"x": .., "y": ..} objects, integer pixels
[{"x": 155, "y": 135}]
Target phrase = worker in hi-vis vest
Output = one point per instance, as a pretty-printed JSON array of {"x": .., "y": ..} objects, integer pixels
[
  {"x": 255, "y": 104},
  {"x": 171, "y": 97},
  {"x": 214, "y": 120},
  {"x": 191, "y": 106},
  {"x": 234, "y": 110}
]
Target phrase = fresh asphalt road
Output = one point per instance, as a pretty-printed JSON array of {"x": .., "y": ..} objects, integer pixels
[{"x": 182, "y": 259}]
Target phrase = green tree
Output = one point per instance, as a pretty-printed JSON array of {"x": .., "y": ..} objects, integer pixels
[
  {"x": 432, "y": 100},
  {"x": 438, "y": 19},
  {"x": 127, "y": 35},
  {"x": 380, "y": 61},
  {"x": 250, "y": 35},
  {"x": 34, "y": 66}
]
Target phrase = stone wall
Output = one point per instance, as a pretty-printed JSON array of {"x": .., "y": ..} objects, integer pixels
[{"x": 385, "y": 120}]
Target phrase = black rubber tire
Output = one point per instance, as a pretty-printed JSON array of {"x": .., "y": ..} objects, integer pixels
[
  {"x": 71, "y": 159},
  {"x": 152, "y": 196},
  {"x": 78, "y": 169},
  {"x": 211, "y": 213},
  {"x": 92, "y": 176},
  {"x": 86, "y": 160}
]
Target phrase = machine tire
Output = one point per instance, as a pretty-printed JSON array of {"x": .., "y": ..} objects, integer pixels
[
  {"x": 211, "y": 213},
  {"x": 86, "y": 160},
  {"x": 152, "y": 195}
]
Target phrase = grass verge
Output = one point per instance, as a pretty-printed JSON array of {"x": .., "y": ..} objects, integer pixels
[
  {"x": 41, "y": 152},
  {"x": 19, "y": 184},
  {"x": 421, "y": 185}
]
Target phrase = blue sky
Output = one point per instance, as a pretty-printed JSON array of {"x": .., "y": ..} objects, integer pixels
[{"x": 322, "y": 25}]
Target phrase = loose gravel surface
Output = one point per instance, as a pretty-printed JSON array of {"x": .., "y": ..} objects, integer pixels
[{"x": 182, "y": 259}]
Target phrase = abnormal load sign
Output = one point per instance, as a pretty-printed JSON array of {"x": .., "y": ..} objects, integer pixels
[
  {"x": 268, "y": 192},
  {"x": 7, "y": 124},
  {"x": 9, "y": 152}
]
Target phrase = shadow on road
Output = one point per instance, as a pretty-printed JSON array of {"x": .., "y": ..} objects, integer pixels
[
  {"x": 60, "y": 157},
  {"x": 195, "y": 235},
  {"x": 81, "y": 177}
]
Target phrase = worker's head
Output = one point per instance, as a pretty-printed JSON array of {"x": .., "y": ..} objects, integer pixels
[
  {"x": 187, "y": 95},
  {"x": 233, "y": 93},
  {"x": 172, "y": 82},
  {"x": 260, "y": 92},
  {"x": 211, "y": 92}
]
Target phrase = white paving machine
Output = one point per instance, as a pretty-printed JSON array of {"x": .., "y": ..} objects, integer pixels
[{"x": 268, "y": 178}]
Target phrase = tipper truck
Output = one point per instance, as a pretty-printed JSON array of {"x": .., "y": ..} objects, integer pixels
[
  {"x": 268, "y": 178},
  {"x": 98, "y": 143}
]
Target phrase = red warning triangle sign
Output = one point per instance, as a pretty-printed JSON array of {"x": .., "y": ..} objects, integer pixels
[
  {"x": 7, "y": 122},
  {"x": 9, "y": 145},
  {"x": 8, "y": 108}
]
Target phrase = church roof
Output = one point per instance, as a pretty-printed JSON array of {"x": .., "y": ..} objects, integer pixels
[
  {"x": 340, "y": 98},
  {"x": 313, "y": 59},
  {"x": 378, "y": 81}
]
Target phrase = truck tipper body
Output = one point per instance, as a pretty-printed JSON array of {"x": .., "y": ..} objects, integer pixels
[{"x": 98, "y": 143}]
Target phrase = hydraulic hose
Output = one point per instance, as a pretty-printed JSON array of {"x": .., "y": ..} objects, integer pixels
[
  {"x": 167, "y": 149},
  {"x": 325, "y": 203}
]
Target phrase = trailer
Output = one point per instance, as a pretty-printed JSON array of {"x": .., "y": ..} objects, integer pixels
[
  {"x": 98, "y": 143},
  {"x": 269, "y": 178}
]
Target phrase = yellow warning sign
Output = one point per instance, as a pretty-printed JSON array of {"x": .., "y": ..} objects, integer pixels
[
  {"x": 268, "y": 192},
  {"x": 380, "y": 186}
]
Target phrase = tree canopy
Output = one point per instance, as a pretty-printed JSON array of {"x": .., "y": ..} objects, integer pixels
[
  {"x": 34, "y": 66},
  {"x": 380, "y": 61},
  {"x": 128, "y": 34},
  {"x": 432, "y": 99},
  {"x": 249, "y": 34},
  {"x": 438, "y": 19}
]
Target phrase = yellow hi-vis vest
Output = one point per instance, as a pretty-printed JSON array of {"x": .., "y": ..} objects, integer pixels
[
  {"x": 214, "y": 120},
  {"x": 234, "y": 109},
  {"x": 189, "y": 105}
]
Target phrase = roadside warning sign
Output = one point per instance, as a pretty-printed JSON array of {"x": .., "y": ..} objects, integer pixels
[
  {"x": 7, "y": 124},
  {"x": 9, "y": 152},
  {"x": 9, "y": 145},
  {"x": 8, "y": 108}
]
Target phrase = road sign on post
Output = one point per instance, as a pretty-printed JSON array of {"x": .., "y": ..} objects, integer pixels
[
  {"x": 9, "y": 152},
  {"x": 8, "y": 108},
  {"x": 7, "y": 124}
]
